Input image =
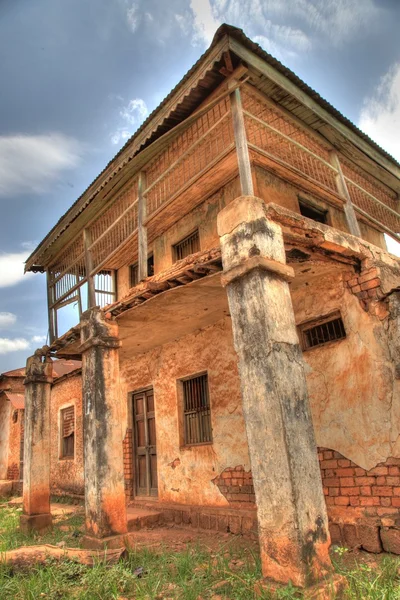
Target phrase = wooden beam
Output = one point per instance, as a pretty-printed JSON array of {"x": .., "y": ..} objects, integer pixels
[
  {"x": 291, "y": 88},
  {"x": 142, "y": 229},
  {"x": 89, "y": 269},
  {"x": 242, "y": 150},
  {"x": 348, "y": 207},
  {"x": 51, "y": 313}
]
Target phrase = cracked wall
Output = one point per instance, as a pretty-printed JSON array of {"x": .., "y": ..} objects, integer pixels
[{"x": 350, "y": 381}]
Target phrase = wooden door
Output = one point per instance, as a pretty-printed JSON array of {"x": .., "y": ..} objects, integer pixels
[{"x": 145, "y": 443}]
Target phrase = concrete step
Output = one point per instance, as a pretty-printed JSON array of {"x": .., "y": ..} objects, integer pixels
[{"x": 142, "y": 518}]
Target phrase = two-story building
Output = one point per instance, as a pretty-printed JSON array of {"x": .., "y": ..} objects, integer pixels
[{"x": 226, "y": 284}]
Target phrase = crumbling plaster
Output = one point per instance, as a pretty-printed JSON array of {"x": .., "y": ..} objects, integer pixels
[
  {"x": 5, "y": 411},
  {"x": 189, "y": 480}
]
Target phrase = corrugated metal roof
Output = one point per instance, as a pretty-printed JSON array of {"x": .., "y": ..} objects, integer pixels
[
  {"x": 180, "y": 112},
  {"x": 17, "y": 400}
]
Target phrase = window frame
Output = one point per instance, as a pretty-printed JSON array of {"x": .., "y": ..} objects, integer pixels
[
  {"x": 308, "y": 325},
  {"x": 175, "y": 257},
  {"x": 310, "y": 205},
  {"x": 185, "y": 443},
  {"x": 61, "y": 455},
  {"x": 135, "y": 266}
]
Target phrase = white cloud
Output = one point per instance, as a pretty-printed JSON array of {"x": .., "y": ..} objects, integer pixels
[
  {"x": 7, "y": 319},
  {"x": 380, "y": 115},
  {"x": 332, "y": 20},
  {"x": 39, "y": 339},
  {"x": 7, "y": 345},
  {"x": 132, "y": 15},
  {"x": 32, "y": 163},
  {"x": 12, "y": 268},
  {"x": 133, "y": 115}
]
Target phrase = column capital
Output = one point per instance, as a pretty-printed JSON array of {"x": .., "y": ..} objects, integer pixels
[
  {"x": 97, "y": 330},
  {"x": 39, "y": 367}
]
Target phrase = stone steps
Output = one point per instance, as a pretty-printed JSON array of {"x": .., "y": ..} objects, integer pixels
[{"x": 142, "y": 518}]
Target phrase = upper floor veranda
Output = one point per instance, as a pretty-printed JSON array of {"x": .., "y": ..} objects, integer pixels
[{"x": 239, "y": 123}]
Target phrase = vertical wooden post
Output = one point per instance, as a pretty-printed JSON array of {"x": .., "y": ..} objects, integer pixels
[
  {"x": 242, "y": 149},
  {"x": 349, "y": 211},
  {"x": 50, "y": 311},
  {"x": 142, "y": 230},
  {"x": 89, "y": 269}
]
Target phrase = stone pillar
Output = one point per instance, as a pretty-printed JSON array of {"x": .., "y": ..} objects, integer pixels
[
  {"x": 293, "y": 525},
  {"x": 36, "y": 514},
  {"x": 105, "y": 509}
]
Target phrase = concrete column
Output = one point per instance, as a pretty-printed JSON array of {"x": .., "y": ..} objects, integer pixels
[
  {"x": 293, "y": 525},
  {"x": 36, "y": 484},
  {"x": 105, "y": 507}
]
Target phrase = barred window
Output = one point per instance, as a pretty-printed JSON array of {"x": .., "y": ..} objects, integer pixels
[
  {"x": 322, "y": 331},
  {"x": 313, "y": 212},
  {"x": 134, "y": 271},
  {"x": 68, "y": 432},
  {"x": 197, "y": 413},
  {"x": 189, "y": 245}
]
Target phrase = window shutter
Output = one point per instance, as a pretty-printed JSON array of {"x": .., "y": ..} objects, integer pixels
[{"x": 68, "y": 422}]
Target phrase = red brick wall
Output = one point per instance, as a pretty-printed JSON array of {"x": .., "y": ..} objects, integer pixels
[
  {"x": 128, "y": 463},
  {"x": 347, "y": 484},
  {"x": 236, "y": 485}
]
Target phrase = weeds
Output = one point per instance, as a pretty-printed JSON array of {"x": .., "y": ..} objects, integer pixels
[{"x": 192, "y": 574}]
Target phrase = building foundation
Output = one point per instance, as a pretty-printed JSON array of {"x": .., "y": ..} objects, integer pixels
[
  {"x": 105, "y": 509},
  {"x": 36, "y": 485},
  {"x": 292, "y": 519}
]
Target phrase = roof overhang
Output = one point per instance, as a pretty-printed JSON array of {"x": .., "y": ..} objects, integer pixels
[{"x": 183, "y": 100}]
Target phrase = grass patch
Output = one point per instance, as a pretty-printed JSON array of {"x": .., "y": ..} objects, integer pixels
[
  {"x": 66, "y": 529},
  {"x": 196, "y": 573}
]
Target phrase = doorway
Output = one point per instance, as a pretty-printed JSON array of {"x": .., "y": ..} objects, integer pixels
[{"x": 145, "y": 447}]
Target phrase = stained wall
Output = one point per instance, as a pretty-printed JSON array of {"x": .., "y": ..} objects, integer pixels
[
  {"x": 66, "y": 474},
  {"x": 5, "y": 411}
]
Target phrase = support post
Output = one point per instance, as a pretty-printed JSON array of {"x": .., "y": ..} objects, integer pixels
[
  {"x": 89, "y": 268},
  {"x": 341, "y": 185},
  {"x": 242, "y": 150},
  {"x": 50, "y": 311},
  {"x": 105, "y": 510},
  {"x": 293, "y": 524},
  {"x": 36, "y": 514},
  {"x": 142, "y": 229}
]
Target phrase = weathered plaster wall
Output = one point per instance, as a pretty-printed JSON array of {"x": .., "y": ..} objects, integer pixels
[
  {"x": 5, "y": 411},
  {"x": 186, "y": 474},
  {"x": 273, "y": 189},
  {"x": 15, "y": 433},
  {"x": 350, "y": 381},
  {"x": 66, "y": 474}
]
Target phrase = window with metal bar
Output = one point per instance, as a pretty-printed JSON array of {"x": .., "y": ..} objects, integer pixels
[
  {"x": 189, "y": 245},
  {"x": 323, "y": 331},
  {"x": 134, "y": 271},
  {"x": 67, "y": 423},
  {"x": 196, "y": 410}
]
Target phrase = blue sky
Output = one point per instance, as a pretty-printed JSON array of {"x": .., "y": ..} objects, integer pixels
[{"x": 78, "y": 78}]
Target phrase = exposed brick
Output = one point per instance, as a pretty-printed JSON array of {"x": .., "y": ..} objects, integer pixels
[
  {"x": 335, "y": 533},
  {"x": 332, "y": 481},
  {"x": 378, "y": 471},
  {"x": 369, "y": 538},
  {"x": 394, "y": 471},
  {"x": 373, "y": 283},
  {"x": 350, "y": 536},
  {"x": 350, "y": 491},
  {"x": 365, "y": 490},
  {"x": 386, "y": 501},
  {"x": 333, "y": 491},
  {"x": 341, "y": 501},
  {"x": 347, "y": 481},
  {"x": 365, "y": 480},
  {"x": 347, "y": 472},
  {"x": 329, "y": 464},
  {"x": 382, "y": 490},
  {"x": 370, "y": 501},
  {"x": 390, "y": 540},
  {"x": 343, "y": 462}
]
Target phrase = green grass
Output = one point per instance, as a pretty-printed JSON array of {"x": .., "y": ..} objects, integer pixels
[{"x": 196, "y": 573}]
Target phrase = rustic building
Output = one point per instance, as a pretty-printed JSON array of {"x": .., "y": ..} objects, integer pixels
[
  {"x": 235, "y": 308},
  {"x": 66, "y": 394}
]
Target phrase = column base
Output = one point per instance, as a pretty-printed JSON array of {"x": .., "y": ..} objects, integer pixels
[
  {"x": 112, "y": 542},
  {"x": 38, "y": 523}
]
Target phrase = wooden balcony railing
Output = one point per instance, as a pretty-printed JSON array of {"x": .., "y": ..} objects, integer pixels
[{"x": 81, "y": 274}]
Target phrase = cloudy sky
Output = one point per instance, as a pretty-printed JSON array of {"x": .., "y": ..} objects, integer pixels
[{"x": 77, "y": 78}]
